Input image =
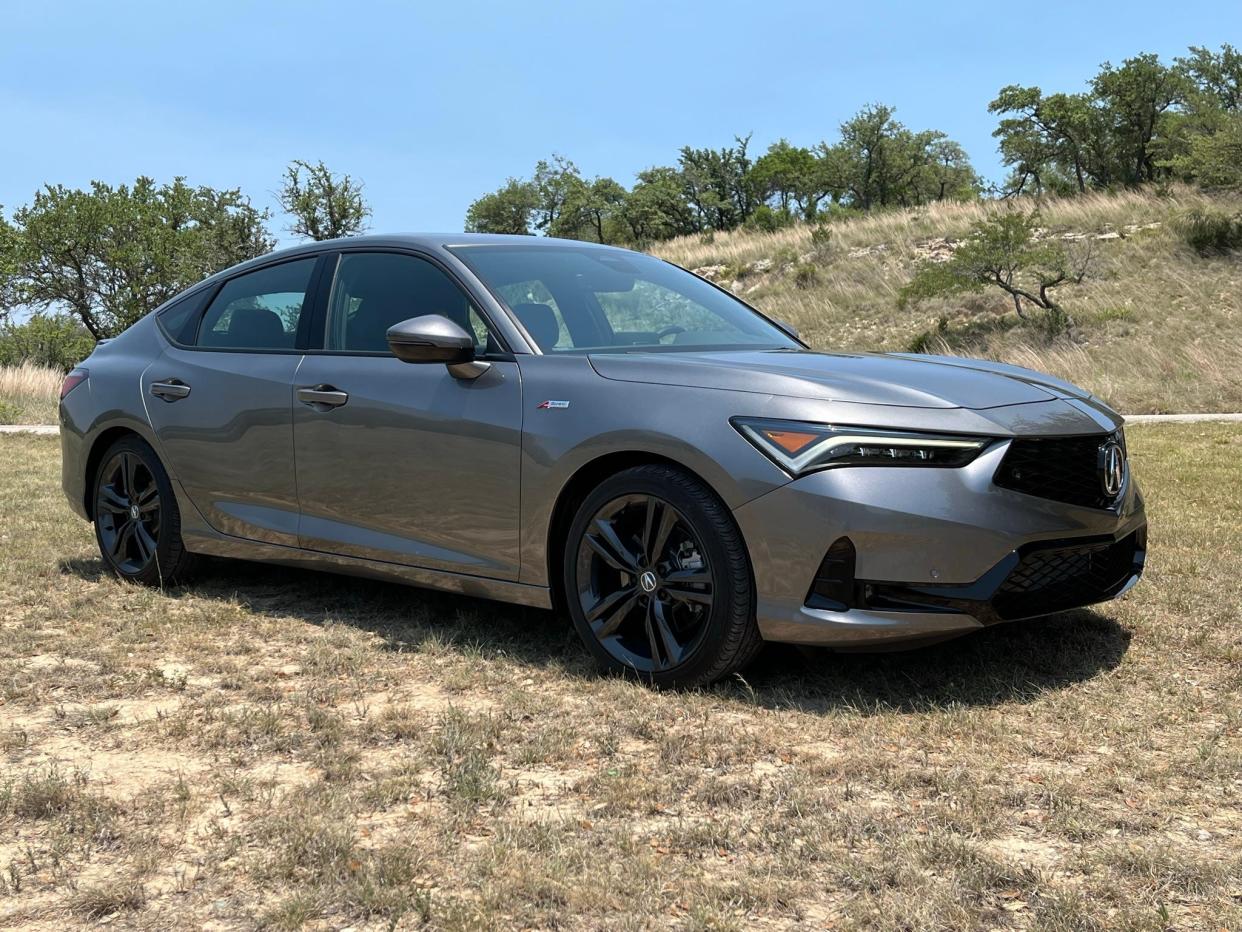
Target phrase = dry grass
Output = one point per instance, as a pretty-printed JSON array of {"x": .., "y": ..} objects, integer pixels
[
  {"x": 28, "y": 394},
  {"x": 1160, "y": 326},
  {"x": 282, "y": 749}
]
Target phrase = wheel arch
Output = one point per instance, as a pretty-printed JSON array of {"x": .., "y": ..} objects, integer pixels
[{"x": 99, "y": 446}]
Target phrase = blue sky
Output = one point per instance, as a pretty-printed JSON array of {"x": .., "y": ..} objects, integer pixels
[{"x": 433, "y": 104}]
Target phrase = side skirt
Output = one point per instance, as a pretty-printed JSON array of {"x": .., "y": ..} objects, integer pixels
[{"x": 221, "y": 545}]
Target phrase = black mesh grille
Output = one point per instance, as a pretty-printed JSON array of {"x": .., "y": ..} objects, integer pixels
[
  {"x": 1056, "y": 578},
  {"x": 1064, "y": 469}
]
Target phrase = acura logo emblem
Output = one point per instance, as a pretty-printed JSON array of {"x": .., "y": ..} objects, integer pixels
[
  {"x": 648, "y": 581},
  {"x": 1112, "y": 468}
]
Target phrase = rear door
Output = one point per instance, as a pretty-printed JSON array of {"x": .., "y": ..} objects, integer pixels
[
  {"x": 403, "y": 462},
  {"x": 220, "y": 401}
]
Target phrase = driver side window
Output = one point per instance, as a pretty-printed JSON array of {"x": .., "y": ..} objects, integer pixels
[{"x": 371, "y": 291}]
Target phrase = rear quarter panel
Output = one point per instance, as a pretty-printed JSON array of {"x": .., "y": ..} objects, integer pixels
[{"x": 110, "y": 398}]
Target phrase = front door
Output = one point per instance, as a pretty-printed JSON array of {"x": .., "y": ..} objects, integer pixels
[
  {"x": 403, "y": 462},
  {"x": 222, "y": 405}
]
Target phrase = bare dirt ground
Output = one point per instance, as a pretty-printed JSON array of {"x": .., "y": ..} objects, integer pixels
[{"x": 275, "y": 748}]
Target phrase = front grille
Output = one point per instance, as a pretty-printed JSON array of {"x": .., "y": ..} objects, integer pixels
[
  {"x": 1064, "y": 469},
  {"x": 1052, "y": 579},
  {"x": 1038, "y": 579}
]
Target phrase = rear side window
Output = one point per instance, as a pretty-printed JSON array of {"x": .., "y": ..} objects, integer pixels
[
  {"x": 258, "y": 311},
  {"x": 179, "y": 320}
]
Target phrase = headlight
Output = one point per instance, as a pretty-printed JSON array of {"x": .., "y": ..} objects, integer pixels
[{"x": 799, "y": 447}]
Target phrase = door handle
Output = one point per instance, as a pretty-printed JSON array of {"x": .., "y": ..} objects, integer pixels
[
  {"x": 170, "y": 389},
  {"x": 322, "y": 397}
]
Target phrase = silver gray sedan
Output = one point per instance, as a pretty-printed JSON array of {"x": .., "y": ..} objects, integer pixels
[{"x": 585, "y": 428}]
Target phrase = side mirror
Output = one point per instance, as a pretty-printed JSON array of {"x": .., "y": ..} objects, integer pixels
[
  {"x": 430, "y": 338},
  {"x": 434, "y": 338}
]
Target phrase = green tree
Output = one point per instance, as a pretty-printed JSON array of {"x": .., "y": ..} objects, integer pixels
[
  {"x": 603, "y": 207},
  {"x": 323, "y": 205},
  {"x": 791, "y": 179},
  {"x": 1043, "y": 138},
  {"x": 112, "y": 254},
  {"x": 881, "y": 163},
  {"x": 1135, "y": 99},
  {"x": 1213, "y": 159},
  {"x": 506, "y": 210},
  {"x": 8, "y": 266},
  {"x": 1121, "y": 131},
  {"x": 717, "y": 184},
  {"x": 1215, "y": 76},
  {"x": 1002, "y": 251},
  {"x": 656, "y": 208},
  {"x": 1202, "y": 141},
  {"x": 56, "y": 340},
  {"x": 571, "y": 207},
  {"x": 560, "y": 195}
]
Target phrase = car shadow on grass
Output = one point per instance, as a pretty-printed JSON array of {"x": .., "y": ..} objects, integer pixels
[{"x": 1014, "y": 662}]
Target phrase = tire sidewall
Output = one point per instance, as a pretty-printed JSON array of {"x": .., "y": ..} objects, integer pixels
[{"x": 673, "y": 486}]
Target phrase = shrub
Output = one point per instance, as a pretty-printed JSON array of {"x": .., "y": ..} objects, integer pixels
[
  {"x": 805, "y": 275},
  {"x": 766, "y": 220},
  {"x": 821, "y": 237},
  {"x": 57, "y": 341},
  {"x": 928, "y": 340},
  {"x": 1212, "y": 232}
]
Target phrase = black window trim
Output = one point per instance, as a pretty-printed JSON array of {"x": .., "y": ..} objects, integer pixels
[
  {"x": 319, "y": 325},
  {"x": 300, "y": 339},
  {"x": 189, "y": 294}
]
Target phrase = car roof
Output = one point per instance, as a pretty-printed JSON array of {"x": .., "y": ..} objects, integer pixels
[
  {"x": 432, "y": 241},
  {"x": 425, "y": 241}
]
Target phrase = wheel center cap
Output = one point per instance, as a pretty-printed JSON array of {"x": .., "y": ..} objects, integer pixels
[
  {"x": 133, "y": 512},
  {"x": 648, "y": 581}
]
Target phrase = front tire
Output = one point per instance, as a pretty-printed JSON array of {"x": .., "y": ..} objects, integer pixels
[
  {"x": 137, "y": 524},
  {"x": 657, "y": 579}
]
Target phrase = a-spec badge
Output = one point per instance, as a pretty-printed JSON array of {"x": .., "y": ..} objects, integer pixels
[{"x": 549, "y": 405}]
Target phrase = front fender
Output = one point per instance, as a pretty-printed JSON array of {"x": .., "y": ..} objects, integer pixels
[{"x": 688, "y": 426}]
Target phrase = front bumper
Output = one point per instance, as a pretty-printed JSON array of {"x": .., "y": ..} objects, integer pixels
[{"x": 937, "y": 552}]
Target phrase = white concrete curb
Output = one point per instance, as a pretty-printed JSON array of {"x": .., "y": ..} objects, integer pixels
[
  {"x": 52, "y": 429},
  {"x": 1179, "y": 418},
  {"x": 48, "y": 429}
]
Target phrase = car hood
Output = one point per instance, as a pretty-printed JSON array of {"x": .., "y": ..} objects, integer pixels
[{"x": 859, "y": 378}]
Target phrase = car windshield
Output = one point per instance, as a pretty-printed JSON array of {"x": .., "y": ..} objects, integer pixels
[{"x": 590, "y": 299}]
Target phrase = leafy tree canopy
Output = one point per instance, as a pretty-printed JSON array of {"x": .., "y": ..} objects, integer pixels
[
  {"x": 323, "y": 205},
  {"x": 507, "y": 210},
  {"x": 1136, "y": 123},
  {"x": 109, "y": 255}
]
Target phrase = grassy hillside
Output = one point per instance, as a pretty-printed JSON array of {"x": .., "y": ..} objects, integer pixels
[{"x": 1159, "y": 327}]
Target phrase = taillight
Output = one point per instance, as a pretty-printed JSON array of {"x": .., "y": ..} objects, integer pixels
[{"x": 73, "y": 379}]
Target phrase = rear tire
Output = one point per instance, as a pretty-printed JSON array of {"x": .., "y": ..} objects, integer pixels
[
  {"x": 137, "y": 523},
  {"x": 657, "y": 579}
]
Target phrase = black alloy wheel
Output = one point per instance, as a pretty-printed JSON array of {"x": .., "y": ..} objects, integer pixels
[
  {"x": 645, "y": 586},
  {"x": 127, "y": 512},
  {"x": 137, "y": 523},
  {"x": 658, "y": 580}
]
